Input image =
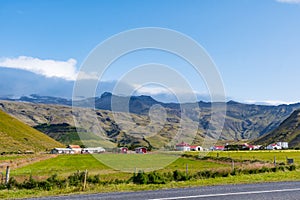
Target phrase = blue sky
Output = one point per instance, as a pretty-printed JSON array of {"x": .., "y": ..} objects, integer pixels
[{"x": 254, "y": 43}]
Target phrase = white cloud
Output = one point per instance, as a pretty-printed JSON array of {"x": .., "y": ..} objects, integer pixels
[
  {"x": 48, "y": 68},
  {"x": 152, "y": 90},
  {"x": 269, "y": 102},
  {"x": 289, "y": 1}
]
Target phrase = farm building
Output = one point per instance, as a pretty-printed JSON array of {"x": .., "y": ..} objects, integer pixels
[
  {"x": 196, "y": 148},
  {"x": 93, "y": 150},
  {"x": 75, "y": 148},
  {"x": 284, "y": 145},
  {"x": 183, "y": 147},
  {"x": 123, "y": 150},
  {"x": 141, "y": 150},
  {"x": 62, "y": 151},
  {"x": 273, "y": 147},
  {"x": 217, "y": 148}
]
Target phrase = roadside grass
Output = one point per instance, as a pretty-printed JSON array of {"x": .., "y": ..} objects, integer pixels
[{"x": 239, "y": 179}]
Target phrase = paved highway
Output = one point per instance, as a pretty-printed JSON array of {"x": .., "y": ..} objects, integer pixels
[{"x": 264, "y": 191}]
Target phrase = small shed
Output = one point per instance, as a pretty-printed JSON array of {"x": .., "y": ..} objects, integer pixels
[{"x": 141, "y": 150}]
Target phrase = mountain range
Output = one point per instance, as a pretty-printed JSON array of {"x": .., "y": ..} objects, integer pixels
[{"x": 55, "y": 117}]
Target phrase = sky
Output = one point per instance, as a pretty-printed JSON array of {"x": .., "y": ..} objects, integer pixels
[{"x": 255, "y": 44}]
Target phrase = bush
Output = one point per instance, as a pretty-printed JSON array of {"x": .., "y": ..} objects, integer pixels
[
  {"x": 12, "y": 183},
  {"x": 179, "y": 176},
  {"x": 29, "y": 184},
  {"x": 140, "y": 178},
  {"x": 93, "y": 179},
  {"x": 292, "y": 167},
  {"x": 76, "y": 179}
]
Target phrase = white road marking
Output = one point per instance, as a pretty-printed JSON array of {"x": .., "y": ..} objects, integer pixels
[{"x": 227, "y": 194}]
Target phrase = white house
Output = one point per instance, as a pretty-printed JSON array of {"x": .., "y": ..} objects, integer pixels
[
  {"x": 278, "y": 145},
  {"x": 284, "y": 145},
  {"x": 183, "y": 147},
  {"x": 62, "y": 151},
  {"x": 273, "y": 147},
  {"x": 75, "y": 148}
]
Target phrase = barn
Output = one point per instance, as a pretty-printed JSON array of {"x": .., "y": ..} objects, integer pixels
[
  {"x": 196, "y": 148},
  {"x": 123, "y": 150},
  {"x": 141, "y": 150}
]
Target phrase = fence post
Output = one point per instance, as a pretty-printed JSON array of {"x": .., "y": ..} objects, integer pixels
[
  {"x": 85, "y": 175},
  {"x": 186, "y": 169},
  {"x": 7, "y": 175},
  {"x": 274, "y": 161},
  {"x": 232, "y": 164}
]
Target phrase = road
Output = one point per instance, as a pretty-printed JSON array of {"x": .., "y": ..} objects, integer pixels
[{"x": 264, "y": 191}]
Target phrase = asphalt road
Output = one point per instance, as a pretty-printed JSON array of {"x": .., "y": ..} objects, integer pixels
[{"x": 264, "y": 191}]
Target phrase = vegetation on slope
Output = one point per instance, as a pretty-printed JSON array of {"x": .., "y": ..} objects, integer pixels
[
  {"x": 19, "y": 137},
  {"x": 288, "y": 131}
]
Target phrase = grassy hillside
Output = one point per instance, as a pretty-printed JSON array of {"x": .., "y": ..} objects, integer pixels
[
  {"x": 16, "y": 136},
  {"x": 288, "y": 131}
]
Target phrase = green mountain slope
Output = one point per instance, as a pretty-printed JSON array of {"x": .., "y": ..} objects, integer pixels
[
  {"x": 16, "y": 136},
  {"x": 288, "y": 131}
]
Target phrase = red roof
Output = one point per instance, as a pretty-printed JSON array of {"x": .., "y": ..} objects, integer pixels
[
  {"x": 74, "y": 146},
  {"x": 193, "y": 147},
  {"x": 219, "y": 147},
  {"x": 182, "y": 144}
]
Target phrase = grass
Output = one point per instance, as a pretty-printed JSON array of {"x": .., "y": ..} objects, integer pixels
[
  {"x": 65, "y": 165},
  {"x": 17, "y": 136},
  {"x": 62, "y": 165},
  {"x": 240, "y": 179},
  {"x": 281, "y": 156}
]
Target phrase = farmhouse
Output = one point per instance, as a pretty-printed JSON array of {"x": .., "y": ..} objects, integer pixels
[
  {"x": 273, "y": 147},
  {"x": 75, "y": 148},
  {"x": 183, "y": 147},
  {"x": 278, "y": 145},
  {"x": 217, "y": 148},
  {"x": 62, "y": 151},
  {"x": 284, "y": 145},
  {"x": 141, "y": 150},
  {"x": 93, "y": 150},
  {"x": 196, "y": 148}
]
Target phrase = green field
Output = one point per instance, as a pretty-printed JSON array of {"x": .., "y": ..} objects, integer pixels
[
  {"x": 280, "y": 156},
  {"x": 65, "y": 165},
  {"x": 114, "y": 165}
]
